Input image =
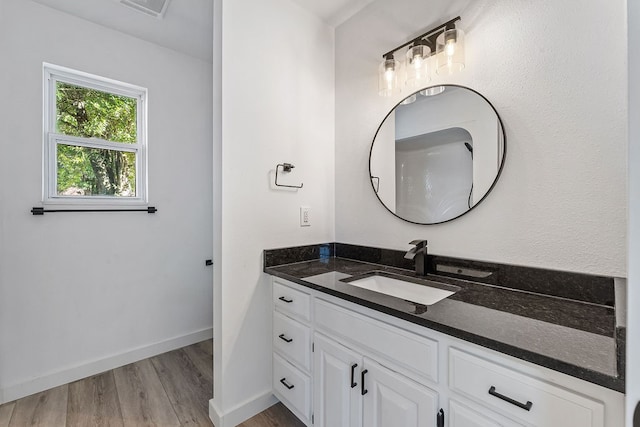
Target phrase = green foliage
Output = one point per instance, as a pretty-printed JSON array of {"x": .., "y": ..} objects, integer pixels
[{"x": 90, "y": 113}]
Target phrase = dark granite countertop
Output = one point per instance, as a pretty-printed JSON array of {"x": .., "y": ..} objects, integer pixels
[{"x": 573, "y": 337}]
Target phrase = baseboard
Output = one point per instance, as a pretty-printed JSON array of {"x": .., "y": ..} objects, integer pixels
[
  {"x": 78, "y": 372},
  {"x": 214, "y": 414},
  {"x": 241, "y": 412}
]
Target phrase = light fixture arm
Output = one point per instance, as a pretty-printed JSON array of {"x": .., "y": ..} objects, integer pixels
[{"x": 430, "y": 37}]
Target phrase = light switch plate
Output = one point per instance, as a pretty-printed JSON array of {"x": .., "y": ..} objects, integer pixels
[{"x": 305, "y": 216}]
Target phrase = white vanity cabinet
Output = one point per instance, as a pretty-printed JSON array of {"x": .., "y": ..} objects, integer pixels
[
  {"x": 370, "y": 365},
  {"x": 337, "y": 393},
  {"x": 292, "y": 346},
  {"x": 351, "y": 390},
  {"x": 463, "y": 415},
  {"x": 339, "y": 364},
  {"x": 520, "y": 396},
  {"x": 391, "y": 399}
]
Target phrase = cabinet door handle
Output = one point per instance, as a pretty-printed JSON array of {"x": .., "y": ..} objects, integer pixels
[
  {"x": 353, "y": 373},
  {"x": 440, "y": 418},
  {"x": 285, "y": 300},
  {"x": 285, "y": 339},
  {"x": 287, "y": 385},
  {"x": 363, "y": 390},
  {"x": 526, "y": 406}
]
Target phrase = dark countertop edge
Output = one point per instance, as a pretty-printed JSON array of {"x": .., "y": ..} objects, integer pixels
[{"x": 598, "y": 378}]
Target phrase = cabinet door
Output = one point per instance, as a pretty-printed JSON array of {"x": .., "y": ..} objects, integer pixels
[
  {"x": 336, "y": 401},
  {"x": 393, "y": 400}
]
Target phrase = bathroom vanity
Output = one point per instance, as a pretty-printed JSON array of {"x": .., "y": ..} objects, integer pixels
[
  {"x": 485, "y": 355},
  {"x": 363, "y": 337}
]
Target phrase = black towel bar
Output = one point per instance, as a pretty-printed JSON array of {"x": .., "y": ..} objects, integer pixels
[{"x": 42, "y": 211}]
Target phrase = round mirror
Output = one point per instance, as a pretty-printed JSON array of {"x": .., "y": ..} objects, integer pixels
[{"x": 437, "y": 154}]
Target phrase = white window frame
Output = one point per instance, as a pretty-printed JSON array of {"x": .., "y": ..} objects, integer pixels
[{"x": 53, "y": 74}]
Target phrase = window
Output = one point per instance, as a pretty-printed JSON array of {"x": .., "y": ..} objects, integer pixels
[{"x": 94, "y": 139}]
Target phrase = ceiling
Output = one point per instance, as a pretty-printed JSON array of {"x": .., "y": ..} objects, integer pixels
[
  {"x": 186, "y": 27},
  {"x": 334, "y": 12},
  {"x": 188, "y": 24}
]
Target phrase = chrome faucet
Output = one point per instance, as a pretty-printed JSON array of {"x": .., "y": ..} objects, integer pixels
[{"x": 419, "y": 254}]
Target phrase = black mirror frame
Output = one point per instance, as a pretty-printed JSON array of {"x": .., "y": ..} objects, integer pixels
[{"x": 504, "y": 155}]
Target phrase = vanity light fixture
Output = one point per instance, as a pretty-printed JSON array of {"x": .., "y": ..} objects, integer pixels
[
  {"x": 450, "y": 52},
  {"x": 417, "y": 65},
  {"x": 409, "y": 100},
  {"x": 445, "y": 42},
  {"x": 432, "y": 91},
  {"x": 388, "y": 76}
]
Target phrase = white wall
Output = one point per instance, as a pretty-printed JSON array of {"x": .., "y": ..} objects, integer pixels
[
  {"x": 80, "y": 293},
  {"x": 633, "y": 296},
  {"x": 559, "y": 87},
  {"x": 277, "y": 106}
]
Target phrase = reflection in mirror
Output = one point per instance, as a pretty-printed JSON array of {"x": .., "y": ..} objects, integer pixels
[{"x": 436, "y": 158}]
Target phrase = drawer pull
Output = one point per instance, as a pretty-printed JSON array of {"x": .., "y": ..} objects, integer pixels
[
  {"x": 285, "y": 339},
  {"x": 363, "y": 390},
  {"x": 288, "y": 301},
  {"x": 353, "y": 370},
  {"x": 526, "y": 406},
  {"x": 284, "y": 383}
]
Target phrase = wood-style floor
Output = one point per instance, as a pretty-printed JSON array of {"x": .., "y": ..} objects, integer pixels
[{"x": 172, "y": 389}]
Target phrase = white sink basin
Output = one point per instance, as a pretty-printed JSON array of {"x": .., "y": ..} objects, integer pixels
[{"x": 420, "y": 293}]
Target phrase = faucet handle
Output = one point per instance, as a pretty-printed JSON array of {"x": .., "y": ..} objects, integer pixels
[{"x": 419, "y": 243}]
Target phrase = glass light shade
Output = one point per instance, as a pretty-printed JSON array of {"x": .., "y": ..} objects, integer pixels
[
  {"x": 388, "y": 77},
  {"x": 432, "y": 91},
  {"x": 417, "y": 66},
  {"x": 450, "y": 52},
  {"x": 409, "y": 100}
]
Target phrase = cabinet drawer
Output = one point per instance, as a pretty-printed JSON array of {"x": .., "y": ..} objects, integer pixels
[
  {"x": 291, "y": 301},
  {"x": 463, "y": 416},
  {"x": 413, "y": 353},
  {"x": 492, "y": 384},
  {"x": 292, "y": 387},
  {"x": 292, "y": 340}
]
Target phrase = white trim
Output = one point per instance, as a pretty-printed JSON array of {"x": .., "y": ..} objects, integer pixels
[
  {"x": 632, "y": 379},
  {"x": 104, "y": 84},
  {"x": 51, "y": 75},
  {"x": 214, "y": 413},
  {"x": 93, "y": 367},
  {"x": 94, "y": 143},
  {"x": 243, "y": 411}
]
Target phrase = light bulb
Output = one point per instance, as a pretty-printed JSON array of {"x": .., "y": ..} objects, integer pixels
[
  {"x": 388, "y": 75},
  {"x": 417, "y": 62},
  {"x": 451, "y": 47}
]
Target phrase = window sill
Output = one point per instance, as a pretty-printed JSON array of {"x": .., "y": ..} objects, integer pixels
[{"x": 105, "y": 203}]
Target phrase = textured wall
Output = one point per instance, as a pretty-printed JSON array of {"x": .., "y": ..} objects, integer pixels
[{"x": 560, "y": 88}]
